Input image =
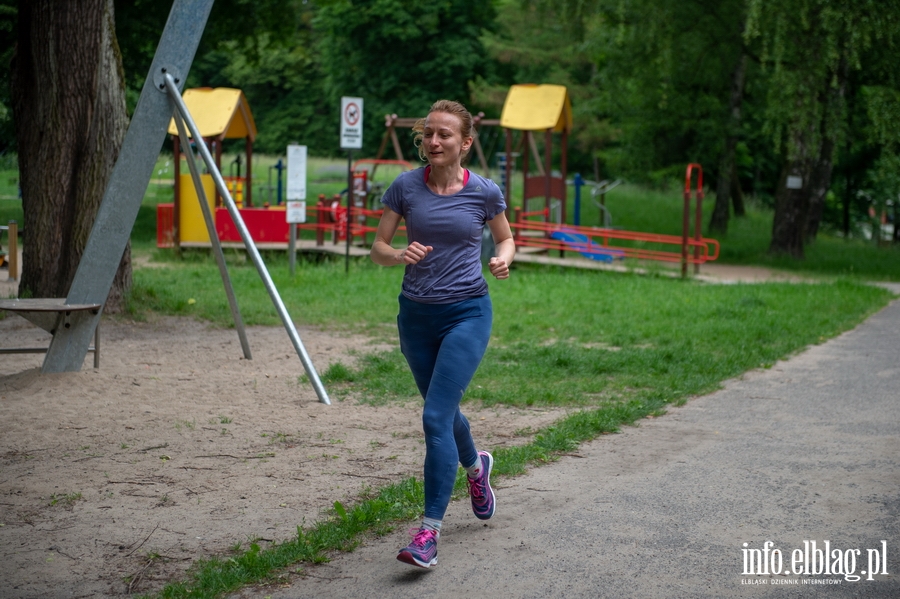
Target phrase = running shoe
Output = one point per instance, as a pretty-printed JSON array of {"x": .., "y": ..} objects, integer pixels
[
  {"x": 422, "y": 551},
  {"x": 483, "y": 500}
]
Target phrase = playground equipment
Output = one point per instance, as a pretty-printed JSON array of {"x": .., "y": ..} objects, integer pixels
[
  {"x": 531, "y": 108},
  {"x": 547, "y": 108},
  {"x": 598, "y": 194},
  {"x": 224, "y": 113},
  {"x": 698, "y": 222},
  {"x": 79, "y": 313},
  {"x": 595, "y": 242},
  {"x": 528, "y": 109}
]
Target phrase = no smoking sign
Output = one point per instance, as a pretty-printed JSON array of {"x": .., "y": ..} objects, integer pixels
[{"x": 351, "y": 123}]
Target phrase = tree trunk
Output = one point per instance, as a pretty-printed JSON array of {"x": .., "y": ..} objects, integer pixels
[
  {"x": 737, "y": 195},
  {"x": 68, "y": 97},
  {"x": 820, "y": 181},
  {"x": 719, "y": 220},
  {"x": 849, "y": 190},
  {"x": 834, "y": 99},
  {"x": 896, "y": 236},
  {"x": 791, "y": 210}
]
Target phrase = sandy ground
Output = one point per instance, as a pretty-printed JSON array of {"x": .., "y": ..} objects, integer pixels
[
  {"x": 113, "y": 480},
  {"x": 177, "y": 447}
]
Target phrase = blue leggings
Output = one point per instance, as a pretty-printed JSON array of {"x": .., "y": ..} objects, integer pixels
[{"x": 443, "y": 344}]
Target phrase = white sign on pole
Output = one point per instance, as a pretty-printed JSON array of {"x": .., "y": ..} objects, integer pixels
[
  {"x": 296, "y": 172},
  {"x": 351, "y": 123},
  {"x": 296, "y": 184},
  {"x": 794, "y": 182}
]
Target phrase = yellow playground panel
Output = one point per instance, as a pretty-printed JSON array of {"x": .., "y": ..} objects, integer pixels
[
  {"x": 530, "y": 108},
  {"x": 219, "y": 113},
  {"x": 192, "y": 226}
]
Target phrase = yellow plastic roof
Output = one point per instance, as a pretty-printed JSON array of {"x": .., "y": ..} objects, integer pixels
[
  {"x": 220, "y": 112},
  {"x": 530, "y": 107}
]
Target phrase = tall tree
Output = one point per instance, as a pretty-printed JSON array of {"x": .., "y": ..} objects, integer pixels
[
  {"x": 664, "y": 74},
  {"x": 68, "y": 98},
  {"x": 813, "y": 47},
  {"x": 728, "y": 187}
]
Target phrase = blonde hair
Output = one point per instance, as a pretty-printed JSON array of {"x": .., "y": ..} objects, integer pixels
[{"x": 466, "y": 125}]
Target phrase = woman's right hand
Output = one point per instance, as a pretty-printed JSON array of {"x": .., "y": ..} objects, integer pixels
[{"x": 414, "y": 253}]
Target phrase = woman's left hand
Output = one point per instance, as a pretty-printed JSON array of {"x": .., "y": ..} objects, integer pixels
[{"x": 499, "y": 268}]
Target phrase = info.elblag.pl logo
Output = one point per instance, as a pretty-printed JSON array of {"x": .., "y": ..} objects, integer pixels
[{"x": 815, "y": 560}]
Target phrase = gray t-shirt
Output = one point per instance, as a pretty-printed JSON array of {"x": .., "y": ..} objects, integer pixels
[{"x": 452, "y": 225}]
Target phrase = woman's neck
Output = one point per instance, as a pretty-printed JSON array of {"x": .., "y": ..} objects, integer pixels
[{"x": 446, "y": 180}]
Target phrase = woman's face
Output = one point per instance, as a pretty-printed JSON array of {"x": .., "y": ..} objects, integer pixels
[{"x": 442, "y": 139}]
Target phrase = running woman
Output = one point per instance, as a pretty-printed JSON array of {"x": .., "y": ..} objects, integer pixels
[{"x": 445, "y": 310}]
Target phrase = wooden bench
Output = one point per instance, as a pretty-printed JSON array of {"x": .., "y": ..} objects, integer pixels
[{"x": 50, "y": 314}]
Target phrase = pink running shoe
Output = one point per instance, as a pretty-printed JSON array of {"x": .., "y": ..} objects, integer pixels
[
  {"x": 483, "y": 500},
  {"x": 422, "y": 551}
]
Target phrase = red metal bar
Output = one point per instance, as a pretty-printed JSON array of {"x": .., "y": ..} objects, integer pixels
[
  {"x": 517, "y": 236},
  {"x": 698, "y": 221},
  {"x": 548, "y": 169},
  {"x": 686, "y": 222}
]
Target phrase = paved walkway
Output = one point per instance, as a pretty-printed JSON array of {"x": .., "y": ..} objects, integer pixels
[{"x": 805, "y": 451}]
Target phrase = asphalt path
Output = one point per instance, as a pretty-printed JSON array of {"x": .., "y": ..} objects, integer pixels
[{"x": 806, "y": 451}]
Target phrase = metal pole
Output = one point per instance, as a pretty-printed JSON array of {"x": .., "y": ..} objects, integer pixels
[
  {"x": 349, "y": 207},
  {"x": 213, "y": 237},
  {"x": 280, "y": 167},
  {"x": 686, "y": 222},
  {"x": 292, "y": 247},
  {"x": 248, "y": 243},
  {"x": 97, "y": 346},
  {"x": 698, "y": 222}
]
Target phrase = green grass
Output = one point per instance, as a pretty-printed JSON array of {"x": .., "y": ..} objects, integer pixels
[
  {"x": 561, "y": 336},
  {"x": 10, "y": 203},
  {"x": 599, "y": 338}
]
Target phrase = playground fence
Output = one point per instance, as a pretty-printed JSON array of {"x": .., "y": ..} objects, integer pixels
[{"x": 606, "y": 244}]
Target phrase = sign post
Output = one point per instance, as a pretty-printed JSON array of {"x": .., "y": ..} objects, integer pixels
[
  {"x": 351, "y": 139},
  {"x": 296, "y": 197}
]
